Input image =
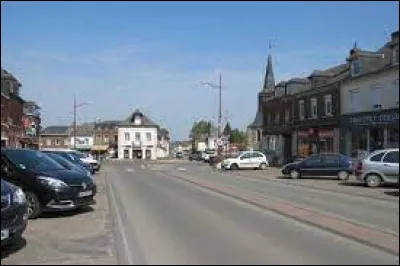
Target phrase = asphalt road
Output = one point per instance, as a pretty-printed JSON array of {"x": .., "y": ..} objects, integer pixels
[{"x": 159, "y": 219}]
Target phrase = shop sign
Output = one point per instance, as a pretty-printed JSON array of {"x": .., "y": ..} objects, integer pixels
[
  {"x": 374, "y": 119},
  {"x": 325, "y": 133}
]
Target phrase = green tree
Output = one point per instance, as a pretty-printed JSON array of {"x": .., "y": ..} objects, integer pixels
[
  {"x": 201, "y": 129},
  {"x": 238, "y": 136},
  {"x": 227, "y": 130}
]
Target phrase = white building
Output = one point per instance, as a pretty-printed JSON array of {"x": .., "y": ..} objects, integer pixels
[
  {"x": 138, "y": 138},
  {"x": 370, "y": 99}
]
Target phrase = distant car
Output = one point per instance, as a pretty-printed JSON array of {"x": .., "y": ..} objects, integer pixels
[
  {"x": 48, "y": 186},
  {"x": 69, "y": 165},
  {"x": 208, "y": 154},
  {"x": 320, "y": 165},
  {"x": 195, "y": 156},
  {"x": 378, "y": 168},
  {"x": 14, "y": 216},
  {"x": 246, "y": 160},
  {"x": 71, "y": 157},
  {"x": 179, "y": 155}
]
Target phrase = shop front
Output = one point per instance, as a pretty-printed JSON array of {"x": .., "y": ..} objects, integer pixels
[
  {"x": 316, "y": 140},
  {"x": 371, "y": 131}
]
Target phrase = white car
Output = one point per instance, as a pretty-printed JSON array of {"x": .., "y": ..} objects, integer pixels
[{"x": 246, "y": 160}]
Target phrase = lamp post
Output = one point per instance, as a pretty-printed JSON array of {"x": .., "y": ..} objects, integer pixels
[
  {"x": 76, "y": 106},
  {"x": 219, "y": 87}
]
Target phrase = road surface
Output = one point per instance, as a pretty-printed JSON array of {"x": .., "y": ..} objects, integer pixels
[{"x": 160, "y": 219}]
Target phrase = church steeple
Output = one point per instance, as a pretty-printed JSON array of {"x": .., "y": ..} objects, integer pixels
[{"x": 269, "y": 82}]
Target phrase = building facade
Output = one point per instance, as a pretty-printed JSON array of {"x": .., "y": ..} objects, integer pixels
[
  {"x": 137, "y": 137},
  {"x": 370, "y": 99},
  {"x": 105, "y": 137},
  {"x": 55, "y": 137},
  {"x": 12, "y": 131},
  {"x": 31, "y": 124},
  {"x": 82, "y": 140}
]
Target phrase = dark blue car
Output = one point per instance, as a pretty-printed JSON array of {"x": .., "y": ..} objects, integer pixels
[{"x": 329, "y": 164}]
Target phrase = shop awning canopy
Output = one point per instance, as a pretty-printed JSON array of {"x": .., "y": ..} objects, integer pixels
[{"x": 99, "y": 148}]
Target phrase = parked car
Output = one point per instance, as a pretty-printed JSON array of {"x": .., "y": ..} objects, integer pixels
[
  {"x": 68, "y": 165},
  {"x": 378, "y": 168},
  {"x": 179, "y": 155},
  {"x": 208, "y": 154},
  {"x": 195, "y": 156},
  {"x": 329, "y": 164},
  {"x": 48, "y": 186},
  {"x": 71, "y": 157},
  {"x": 86, "y": 158},
  {"x": 246, "y": 160},
  {"x": 14, "y": 216}
]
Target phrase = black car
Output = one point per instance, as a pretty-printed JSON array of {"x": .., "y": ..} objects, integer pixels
[
  {"x": 73, "y": 158},
  {"x": 14, "y": 216},
  {"x": 48, "y": 186},
  {"x": 68, "y": 165},
  {"x": 195, "y": 156},
  {"x": 320, "y": 165}
]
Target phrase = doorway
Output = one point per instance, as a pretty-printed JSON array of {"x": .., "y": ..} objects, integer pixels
[{"x": 136, "y": 154}]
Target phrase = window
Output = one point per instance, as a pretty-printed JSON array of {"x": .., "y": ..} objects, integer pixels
[
  {"x": 355, "y": 101},
  {"x": 58, "y": 142},
  {"x": 396, "y": 55},
  {"x": 377, "y": 157},
  {"x": 355, "y": 67},
  {"x": 137, "y": 136},
  {"x": 257, "y": 155},
  {"x": 328, "y": 104},
  {"x": 375, "y": 94},
  {"x": 393, "y": 137},
  {"x": 330, "y": 160},
  {"x": 277, "y": 117},
  {"x": 98, "y": 137},
  {"x": 312, "y": 160},
  {"x": 48, "y": 142},
  {"x": 301, "y": 109},
  {"x": 287, "y": 115},
  {"x": 148, "y": 136},
  {"x": 391, "y": 157},
  {"x": 313, "y": 105},
  {"x": 127, "y": 136},
  {"x": 106, "y": 139},
  {"x": 246, "y": 156}
]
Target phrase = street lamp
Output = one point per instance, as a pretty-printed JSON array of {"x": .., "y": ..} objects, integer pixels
[
  {"x": 76, "y": 106},
  {"x": 219, "y": 87}
]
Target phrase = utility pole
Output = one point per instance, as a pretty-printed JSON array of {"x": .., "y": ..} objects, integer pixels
[{"x": 74, "y": 123}]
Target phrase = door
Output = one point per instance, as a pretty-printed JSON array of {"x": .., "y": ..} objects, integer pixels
[
  {"x": 311, "y": 166},
  {"x": 256, "y": 159},
  {"x": 245, "y": 160},
  {"x": 391, "y": 166},
  {"x": 329, "y": 165}
]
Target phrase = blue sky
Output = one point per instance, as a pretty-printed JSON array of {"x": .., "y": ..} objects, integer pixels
[{"x": 152, "y": 55}]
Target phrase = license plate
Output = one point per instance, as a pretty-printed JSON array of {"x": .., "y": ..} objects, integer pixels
[
  {"x": 85, "y": 193},
  {"x": 5, "y": 234}
]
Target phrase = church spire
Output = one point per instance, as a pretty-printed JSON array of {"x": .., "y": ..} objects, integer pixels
[{"x": 269, "y": 82}]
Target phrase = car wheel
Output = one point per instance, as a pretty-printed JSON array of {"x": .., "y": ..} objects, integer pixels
[
  {"x": 34, "y": 206},
  {"x": 234, "y": 167},
  {"x": 343, "y": 175},
  {"x": 263, "y": 166},
  {"x": 294, "y": 174},
  {"x": 373, "y": 180}
]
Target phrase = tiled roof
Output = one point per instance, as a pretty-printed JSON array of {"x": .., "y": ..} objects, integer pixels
[
  {"x": 145, "y": 120},
  {"x": 56, "y": 130}
]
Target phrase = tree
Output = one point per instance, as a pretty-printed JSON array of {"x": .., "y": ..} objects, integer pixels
[
  {"x": 238, "y": 136},
  {"x": 227, "y": 130},
  {"x": 201, "y": 129}
]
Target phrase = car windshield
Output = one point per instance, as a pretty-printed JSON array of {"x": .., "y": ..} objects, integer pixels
[
  {"x": 31, "y": 159},
  {"x": 59, "y": 159}
]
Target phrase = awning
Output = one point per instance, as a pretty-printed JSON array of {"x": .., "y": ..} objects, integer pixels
[{"x": 99, "y": 148}]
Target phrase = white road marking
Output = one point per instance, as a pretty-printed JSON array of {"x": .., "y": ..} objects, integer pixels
[
  {"x": 181, "y": 169},
  {"x": 130, "y": 170},
  {"x": 142, "y": 166},
  {"x": 120, "y": 225}
]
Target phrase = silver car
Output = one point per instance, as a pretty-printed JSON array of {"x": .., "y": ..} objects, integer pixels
[{"x": 379, "y": 167}]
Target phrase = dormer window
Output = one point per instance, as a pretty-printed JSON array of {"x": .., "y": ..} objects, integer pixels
[
  {"x": 396, "y": 55},
  {"x": 355, "y": 67},
  {"x": 137, "y": 120}
]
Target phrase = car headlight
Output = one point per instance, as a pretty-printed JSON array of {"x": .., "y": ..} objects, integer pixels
[
  {"x": 19, "y": 196},
  {"x": 52, "y": 182}
]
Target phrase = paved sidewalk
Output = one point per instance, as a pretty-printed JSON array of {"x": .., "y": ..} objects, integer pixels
[{"x": 81, "y": 238}]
